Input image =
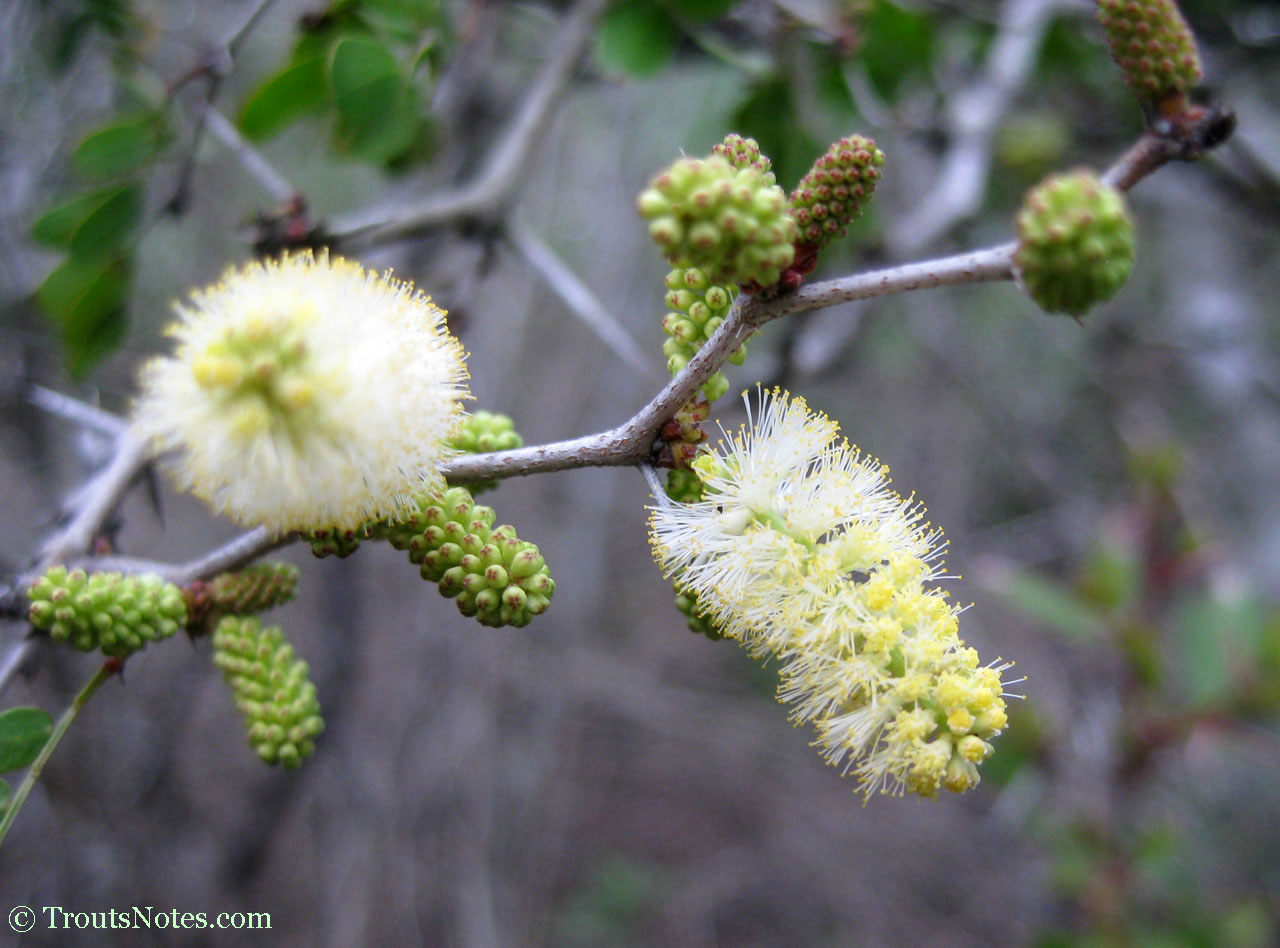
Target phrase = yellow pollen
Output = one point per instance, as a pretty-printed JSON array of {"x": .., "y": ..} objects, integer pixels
[
  {"x": 214, "y": 371},
  {"x": 960, "y": 721},
  {"x": 251, "y": 419}
]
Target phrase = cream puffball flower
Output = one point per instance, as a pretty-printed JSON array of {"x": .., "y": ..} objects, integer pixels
[{"x": 304, "y": 393}]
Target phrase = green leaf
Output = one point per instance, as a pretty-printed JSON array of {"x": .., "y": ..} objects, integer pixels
[
  {"x": 1111, "y": 579},
  {"x": 1218, "y": 639},
  {"x": 56, "y": 225},
  {"x": 110, "y": 225},
  {"x": 701, "y": 9},
  {"x": 830, "y": 82},
  {"x": 285, "y": 97},
  {"x": 1049, "y": 604},
  {"x": 5, "y": 796},
  {"x": 85, "y": 298},
  {"x": 23, "y": 731},
  {"x": 898, "y": 44},
  {"x": 118, "y": 149},
  {"x": 94, "y": 340},
  {"x": 637, "y": 37},
  {"x": 399, "y": 131},
  {"x": 79, "y": 287},
  {"x": 406, "y": 21},
  {"x": 768, "y": 115},
  {"x": 372, "y": 98}
]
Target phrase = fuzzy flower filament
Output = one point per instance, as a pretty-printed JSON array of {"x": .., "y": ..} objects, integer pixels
[
  {"x": 306, "y": 393},
  {"x": 802, "y": 552}
]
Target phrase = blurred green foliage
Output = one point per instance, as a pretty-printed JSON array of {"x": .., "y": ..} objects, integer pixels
[
  {"x": 1198, "y": 658},
  {"x": 612, "y": 901},
  {"x": 23, "y": 732}
]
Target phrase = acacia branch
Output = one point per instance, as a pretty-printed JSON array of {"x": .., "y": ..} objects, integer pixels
[
  {"x": 632, "y": 442},
  {"x": 214, "y": 67},
  {"x": 232, "y": 555}
]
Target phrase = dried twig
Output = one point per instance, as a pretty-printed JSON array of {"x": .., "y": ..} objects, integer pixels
[
  {"x": 105, "y": 491},
  {"x": 489, "y": 194},
  {"x": 272, "y": 182},
  {"x": 973, "y": 114},
  {"x": 74, "y": 410},
  {"x": 580, "y": 299}
]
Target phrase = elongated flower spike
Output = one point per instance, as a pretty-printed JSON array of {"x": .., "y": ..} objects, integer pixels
[
  {"x": 306, "y": 393},
  {"x": 834, "y": 191},
  {"x": 491, "y": 573},
  {"x": 802, "y": 552},
  {"x": 113, "y": 612},
  {"x": 255, "y": 588},
  {"x": 271, "y": 687},
  {"x": 1153, "y": 46}
]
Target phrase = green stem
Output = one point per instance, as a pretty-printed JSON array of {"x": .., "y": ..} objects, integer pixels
[
  {"x": 775, "y": 520},
  {"x": 110, "y": 667}
]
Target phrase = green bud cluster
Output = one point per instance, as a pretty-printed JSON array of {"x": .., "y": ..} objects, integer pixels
[
  {"x": 696, "y": 309},
  {"x": 1075, "y": 243},
  {"x": 493, "y": 574},
  {"x": 335, "y": 541},
  {"x": 835, "y": 189},
  {"x": 684, "y": 486},
  {"x": 255, "y": 588},
  {"x": 479, "y": 433},
  {"x": 485, "y": 431},
  {"x": 732, "y": 223},
  {"x": 744, "y": 153},
  {"x": 482, "y": 432},
  {"x": 699, "y": 624},
  {"x": 1153, "y": 46},
  {"x": 683, "y": 435},
  {"x": 271, "y": 689},
  {"x": 109, "y": 611}
]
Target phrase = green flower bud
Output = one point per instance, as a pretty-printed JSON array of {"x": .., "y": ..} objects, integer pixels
[
  {"x": 727, "y": 221},
  {"x": 484, "y": 431},
  {"x": 716, "y": 386},
  {"x": 1153, "y": 46},
  {"x": 698, "y": 310},
  {"x": 1075, "y": 243},
  {"x": 336, "y": 541},
  {"x": 489, "y": 571},
  {"x": 109, "y": 611},
  {"x": 742, "y": 153},
  {"x": 836, "y": 189},
  {"x": 256, "y": 588},
  {"x": 270, "y": 688},
  {"x": 698, "y": 624},
  {"x": 684, "y": 486}
]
